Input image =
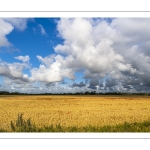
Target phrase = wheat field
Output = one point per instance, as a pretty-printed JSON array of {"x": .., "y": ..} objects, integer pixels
[{"x": 76, "y": 111}]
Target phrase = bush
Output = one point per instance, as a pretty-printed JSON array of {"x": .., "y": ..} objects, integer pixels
[{"x": 22, "y": 125}]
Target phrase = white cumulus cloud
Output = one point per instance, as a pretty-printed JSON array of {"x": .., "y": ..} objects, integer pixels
[
  {"x": 5, "y": 28},
  {"x": 25, "y": 59},
  {"x": 18, "y": 23}
]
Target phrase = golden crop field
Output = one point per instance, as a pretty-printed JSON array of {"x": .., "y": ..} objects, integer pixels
[{"x": 74, "y": 110}]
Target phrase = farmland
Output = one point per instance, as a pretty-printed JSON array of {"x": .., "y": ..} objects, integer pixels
[{"x": 74, "y": 111}]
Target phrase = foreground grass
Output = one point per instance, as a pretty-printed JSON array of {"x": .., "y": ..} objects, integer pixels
[{"x": 22, "y": 125}]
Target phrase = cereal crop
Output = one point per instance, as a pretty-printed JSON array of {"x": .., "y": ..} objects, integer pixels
[{"x": 79, "y": 111}]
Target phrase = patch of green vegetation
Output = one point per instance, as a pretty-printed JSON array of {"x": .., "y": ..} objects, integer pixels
[
  {"x": 22, "y": 125},
  {"x": 2, "y": 130}
]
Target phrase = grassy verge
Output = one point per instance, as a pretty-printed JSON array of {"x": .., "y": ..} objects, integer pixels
[{"x": 22, "y": 125}]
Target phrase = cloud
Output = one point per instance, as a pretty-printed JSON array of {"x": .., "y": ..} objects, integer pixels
[
  {"x": 18, "y": 23},
  {"x": 47, "y": 61},
  {"x": 98, "y": 49},
  {"x": 51, "y": 70},
  {"x": 17, "y": 86},
  {"x": 81, "y": 84},
  {"x": 94, "y": 83},
  {"x": 7, "y": 25},
  {"x": 25, "y": 59},
  {"x": 102, "y": 48},
  {"x": 14, "y": 71},
  {"x": 95, "y": 55},
  {"x": 10, "y": 49},
  {"x": 42, "y": 30},
  {"x": 5, "y": 28},
  {"x": 110, "y": 82}
]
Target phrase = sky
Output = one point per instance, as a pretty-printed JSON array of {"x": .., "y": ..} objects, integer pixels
[{"x": 63, "y": 55}]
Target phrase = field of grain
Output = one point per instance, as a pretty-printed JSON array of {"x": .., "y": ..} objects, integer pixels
[{"x": 76, "y": 111}]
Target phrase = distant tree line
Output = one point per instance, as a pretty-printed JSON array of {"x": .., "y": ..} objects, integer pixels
[{"x": 77, "y": 93}]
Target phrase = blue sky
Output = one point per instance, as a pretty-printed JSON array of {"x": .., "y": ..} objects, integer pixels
[
  {"x": 39, "y": 55},
  {"x": 31, "y": 41}
]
